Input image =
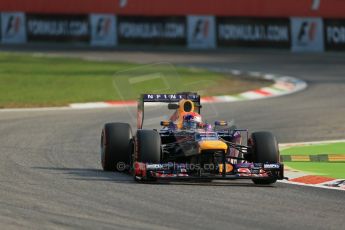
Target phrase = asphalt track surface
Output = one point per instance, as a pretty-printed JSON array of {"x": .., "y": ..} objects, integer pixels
[{"x": 50, "y": 175}]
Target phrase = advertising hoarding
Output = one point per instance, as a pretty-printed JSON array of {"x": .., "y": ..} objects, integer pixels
[
  {"x": 334, "y": 31},
  {"x": 151, "y": 30},
  {"x": 201, "y": 31},
  {"x": 58, "y": 28},
  {"x": 264, "y": 32},
  {"x": 307, "y": 35},
  {"x": 13, "y": 30},
  {"x": 103, "y": 30}
]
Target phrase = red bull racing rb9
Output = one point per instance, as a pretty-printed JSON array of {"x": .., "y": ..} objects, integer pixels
[{"x": 187, "y": 148}]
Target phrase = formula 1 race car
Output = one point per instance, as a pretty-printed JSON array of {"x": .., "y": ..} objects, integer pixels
[{"x": 186, "y": 148}]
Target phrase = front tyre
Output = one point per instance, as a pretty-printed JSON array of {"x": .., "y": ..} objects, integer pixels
[
  {"x": 116, "y": 146},
  {"x": 148, "y": 151},
  {"x": 265, "y": 150},
  {"x": 149, "y": 146}
]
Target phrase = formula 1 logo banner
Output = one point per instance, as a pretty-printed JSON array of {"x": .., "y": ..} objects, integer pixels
[
  {"x": 13, "y": 27},
  {"x": 151, "y": 30},
  {"x": 103, "y": 30},
  {"x": 58, "y": 28},
  {"x": 265, "y": 32},
  {"x": 307, "y": 35},
  {"x": 334, "y": 30},
  {"x": 201, "y": 32}
]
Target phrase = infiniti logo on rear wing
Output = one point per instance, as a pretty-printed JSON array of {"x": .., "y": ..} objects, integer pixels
[{"x": 170, "y": 97}]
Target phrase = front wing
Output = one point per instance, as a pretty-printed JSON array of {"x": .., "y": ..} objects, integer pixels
[{"x": 180, "y": 171}]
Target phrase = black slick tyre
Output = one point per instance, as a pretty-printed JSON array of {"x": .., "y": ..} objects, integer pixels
[
  {"x": 265, "y": 150},
  {"x": 149, "y": 146},
  {"x": 116, "y": 139},
  {"x": 148, "y": 150}
]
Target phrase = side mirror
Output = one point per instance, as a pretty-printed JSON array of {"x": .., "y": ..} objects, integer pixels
[{"x": 172, "y": 106}]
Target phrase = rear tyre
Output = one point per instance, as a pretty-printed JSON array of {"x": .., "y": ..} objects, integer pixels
[
  {"x": 265, "y": 150},
  {"x": 116, "y": 146}
]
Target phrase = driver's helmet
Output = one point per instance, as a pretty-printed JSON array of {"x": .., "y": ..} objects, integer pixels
[{"x": 192, "y": 121}]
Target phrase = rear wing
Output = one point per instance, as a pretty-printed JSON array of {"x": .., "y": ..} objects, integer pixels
[{"x": 163, "y": 98}]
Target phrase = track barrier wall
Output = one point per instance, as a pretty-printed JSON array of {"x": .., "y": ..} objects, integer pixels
[{"x": 302, "y": 26}]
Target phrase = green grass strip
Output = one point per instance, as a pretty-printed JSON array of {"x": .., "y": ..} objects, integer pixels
[
  {"x": 334, "y": 148},
  {"x": 335, "y": 170},
  {"x": 33, "y": 81},
  {"x": 331, "y": 169}
]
